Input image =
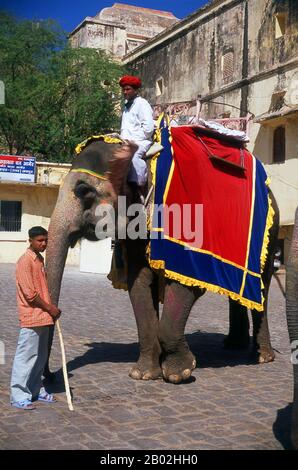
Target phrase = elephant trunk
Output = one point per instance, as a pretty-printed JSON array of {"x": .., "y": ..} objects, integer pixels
[
  {"x": 292, "y": 319},
  {"x": 55, "y": 261},
  {"x": 64, "y": 231}
]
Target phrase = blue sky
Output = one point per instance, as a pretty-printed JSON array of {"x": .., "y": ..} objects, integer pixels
[{"x": 70, "y": 13}]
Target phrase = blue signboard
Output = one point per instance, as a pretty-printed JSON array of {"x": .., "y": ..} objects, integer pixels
[{"x": 17, "y": 168}]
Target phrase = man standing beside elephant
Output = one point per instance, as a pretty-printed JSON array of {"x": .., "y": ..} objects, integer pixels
[
  {"x": 37, "y": 314},
  {"x": 137, "y": 125}
]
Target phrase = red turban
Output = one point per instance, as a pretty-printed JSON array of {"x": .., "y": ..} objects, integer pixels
[{"x": 130, "y": 80}]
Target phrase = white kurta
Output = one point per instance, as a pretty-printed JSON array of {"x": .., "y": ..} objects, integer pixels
[{"x": 138, "y": 125}]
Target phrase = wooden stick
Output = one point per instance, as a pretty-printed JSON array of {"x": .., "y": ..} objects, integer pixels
[{"x": 67, "y": 389}]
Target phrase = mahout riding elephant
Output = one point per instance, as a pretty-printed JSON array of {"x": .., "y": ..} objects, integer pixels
[
  {"x": 292, "y": 319},
  {"x": 163, "y": 348}
]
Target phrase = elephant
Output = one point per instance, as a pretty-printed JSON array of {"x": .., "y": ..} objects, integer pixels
[
  {"x": 292, "y": 320},
  {"x": 164, "y": 352}
]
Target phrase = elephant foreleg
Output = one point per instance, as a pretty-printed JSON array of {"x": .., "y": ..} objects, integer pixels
[
  {"x": 143, "y": 292},
  {"x": 177, "y": 360}
]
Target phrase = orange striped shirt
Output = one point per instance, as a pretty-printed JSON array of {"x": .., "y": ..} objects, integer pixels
[{"x": 30, "y": 282}]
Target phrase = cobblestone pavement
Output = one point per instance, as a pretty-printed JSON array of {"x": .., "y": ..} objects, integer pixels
[{"x": 231, "y": 403}]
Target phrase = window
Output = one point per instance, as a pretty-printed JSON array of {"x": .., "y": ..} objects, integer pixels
[
  {"x": 279, "y": 145},
  {"x": 280, "y": 25},
  {"x": 228, "y": 66},
  {"x": 10, "y": 216},
  {"x": 278, "y": 100},
  {"x": 159, "y": 87}
]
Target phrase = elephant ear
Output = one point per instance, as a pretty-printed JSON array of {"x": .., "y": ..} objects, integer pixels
[{"x": 119, "y": 165}]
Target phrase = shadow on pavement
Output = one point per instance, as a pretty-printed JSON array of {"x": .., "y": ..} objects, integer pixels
[
  {"x": 105, "y": 352},
  {"x": 208, "y": 348},
  {"x": 282, "y": 425},
  {"x": 57, "y": 385}
]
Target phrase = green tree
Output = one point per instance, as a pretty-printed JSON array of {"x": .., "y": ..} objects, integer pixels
[{"x": 55, "y": 96}]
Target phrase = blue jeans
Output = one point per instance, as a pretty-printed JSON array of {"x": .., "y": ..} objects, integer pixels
[{"x": 30, "y": 358}]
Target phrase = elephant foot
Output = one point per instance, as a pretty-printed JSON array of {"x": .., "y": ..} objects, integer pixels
[
  {"x": 145, "y": 370},
  {"x": 177, "y": 367},
  {"x": 234, "y": 343},
  {"x": 262, "y": 355},
  {"x": 265, "y": 355}
]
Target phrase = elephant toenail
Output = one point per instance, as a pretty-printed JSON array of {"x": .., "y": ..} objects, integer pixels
[
  {"x": 135, "y": 374},
  {"x": 174, "y": 379},
  {"x": 146, "y": 376},
  {"x": 186, "y": 374}
]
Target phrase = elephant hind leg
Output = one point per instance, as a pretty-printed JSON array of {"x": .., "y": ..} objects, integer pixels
[
  {"x": 238, "y": 337},
  {"x": 262, "y": 348},
  {"x": 177, "y": 360}
]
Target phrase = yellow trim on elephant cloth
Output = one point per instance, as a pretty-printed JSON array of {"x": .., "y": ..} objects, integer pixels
[
  {"x": 89, "y": 172},
  {"x": 153, "y": 163},
  {"x": 108, "y": 139}
]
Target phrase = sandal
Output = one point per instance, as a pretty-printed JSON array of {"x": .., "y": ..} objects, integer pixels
[
  {"x": 23, "y": 405},
  {"x": 47, "y": 397}
]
